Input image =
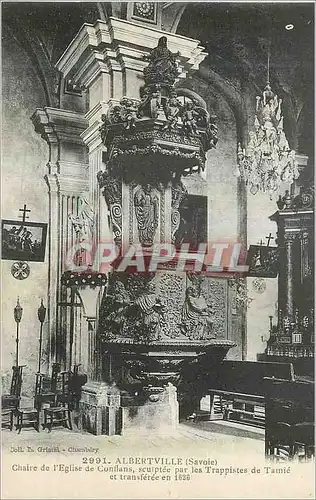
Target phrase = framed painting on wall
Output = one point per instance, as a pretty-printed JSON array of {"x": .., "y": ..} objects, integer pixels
[
  {"x": 263, "y": 261},
  {"x": 24, "y": 241}
]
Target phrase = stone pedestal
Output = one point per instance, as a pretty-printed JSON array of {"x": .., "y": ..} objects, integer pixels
[
  {"x": 105, "y": 410},
  {"x": 159, "y": 413},
  {"x": 99, "y": 409}
]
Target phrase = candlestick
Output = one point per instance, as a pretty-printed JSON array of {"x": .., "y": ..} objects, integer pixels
[
  {"x": 270, "y": 321},
  {"x": 41, "y": 313},
  {"x": 18, "y": 311}
]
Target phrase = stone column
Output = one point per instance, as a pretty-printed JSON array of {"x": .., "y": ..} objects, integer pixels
[
  {"x": 289, "y": 239},
  {"x": 91, "y": 368},
  {"x": 53, "y": 276},
  {"x": 305, "y": 265},
  {"x": 66, "y": 180}
]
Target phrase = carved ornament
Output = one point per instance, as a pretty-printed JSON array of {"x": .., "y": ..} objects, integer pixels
[
  {"x": 303, "y": 201},
  {"x": 112, "y": 191},
  {"x": 160, "y": 128},
  {"x": 178, "y": 194}
]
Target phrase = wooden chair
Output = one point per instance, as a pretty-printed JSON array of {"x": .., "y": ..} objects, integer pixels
[
  {"x": 28, "y": 417},
  {"x": 304, "y": 440},
  {"x": 43, "y": 391},
  {"x": 57, "y": 415},
  {"x": 46, "y": 387},
  {"x": 63, "y": 389},
  {"x": 279, "y": 441},
  {"x": 59, "y": 410},
  {"x": 10, "y": 402},
  {"x": 76, "y": 383}
]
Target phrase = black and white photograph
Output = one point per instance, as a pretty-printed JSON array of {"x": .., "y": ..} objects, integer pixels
[{"x": 157, "y": 266}]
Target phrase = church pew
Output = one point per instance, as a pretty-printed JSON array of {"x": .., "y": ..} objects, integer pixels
[
  {"x": 240, "y": 385},
  {"x": 289, "y": 403}
]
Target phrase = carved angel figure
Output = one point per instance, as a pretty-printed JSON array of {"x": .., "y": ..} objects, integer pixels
[
  {"x": 129, "y": 112},
  {"x": 146, "y": 208},
  {"x": 190, "y": 118},
  {"x": 172, "y": 112}
]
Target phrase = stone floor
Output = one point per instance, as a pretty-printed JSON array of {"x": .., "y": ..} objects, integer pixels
[{"x": 219, "y": 432}]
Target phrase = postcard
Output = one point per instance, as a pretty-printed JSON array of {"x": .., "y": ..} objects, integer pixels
[{"x": 157, "y": 250}]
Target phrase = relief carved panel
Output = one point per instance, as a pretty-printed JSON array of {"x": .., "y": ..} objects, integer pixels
[
  {"x": 172, "y": 289},
  {"x": 215, "y": 291},
  {"x": 167, "y": 306}
]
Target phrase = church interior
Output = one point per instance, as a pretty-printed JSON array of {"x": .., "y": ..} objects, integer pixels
[{"x": 134, "y": 133}]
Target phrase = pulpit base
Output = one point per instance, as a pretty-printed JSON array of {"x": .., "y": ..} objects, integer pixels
[
  {"x": 158, "y": 413},
  {"x": 99, "y": 409},
  {"x": 103, "y": 409}
]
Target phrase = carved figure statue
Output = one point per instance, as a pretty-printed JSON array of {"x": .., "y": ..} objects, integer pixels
[
  {"x": 212, "y": 131},
  {"x": 83, "y": 225},
  {"x": 190, "y": 117},
  {"x": 113, "y": 311},
  {"x": 196, "y": 316},
  {"x": 129, "y": 112},
  {"x": 151, "y": 308},
  {"x": 103, "y": 128},
  {"x": 172, "y": 112},
  {"x": 151, "y": 102},
  {"x": 162, "y": 68},
  {"x": 124, "y": 316},
  {"x": 146, "y": 208},
  {"x": 117, "y": 303}
]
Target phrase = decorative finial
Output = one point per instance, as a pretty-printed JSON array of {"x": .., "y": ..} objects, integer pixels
[
  {"x": 41, "y": 312},
  {"x": 18, "y": 310}
]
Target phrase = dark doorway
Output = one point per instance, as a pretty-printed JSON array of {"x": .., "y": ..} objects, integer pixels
[{"x": 193, "y": 221}]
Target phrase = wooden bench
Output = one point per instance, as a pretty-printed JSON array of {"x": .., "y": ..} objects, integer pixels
[{"x": 240, "y": 387}]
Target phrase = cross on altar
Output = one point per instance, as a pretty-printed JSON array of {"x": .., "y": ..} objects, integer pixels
[
  {"x": 269, "y": 238},
  {"x": 24, "y": 210}
]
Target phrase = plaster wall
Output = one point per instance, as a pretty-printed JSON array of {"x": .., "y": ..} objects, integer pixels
[
  {"x": 264, "y": 304},
  {"x": 24, "y": 155}
]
